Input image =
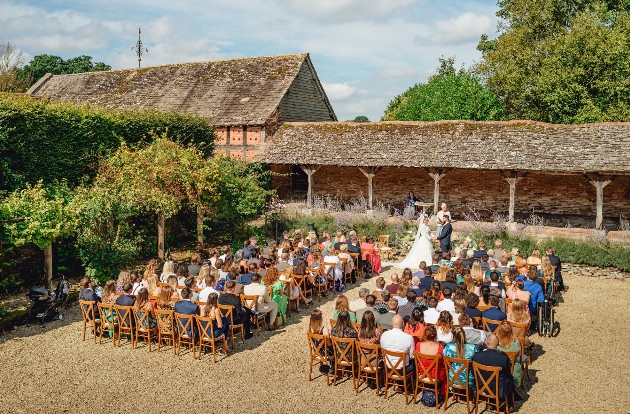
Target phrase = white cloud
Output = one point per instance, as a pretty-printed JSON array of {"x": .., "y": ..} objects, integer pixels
[
  {"x": 339, "y": 91},
  {"x": 398, "y": 74},
  {"x": 465, "y": 28},
  {"x": 347, "y": 9}
]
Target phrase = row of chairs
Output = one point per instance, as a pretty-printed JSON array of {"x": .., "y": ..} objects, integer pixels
[{"x": 370, "y": 362}]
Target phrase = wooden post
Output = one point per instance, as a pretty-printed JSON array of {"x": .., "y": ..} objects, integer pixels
[
  {"x": 437, "y": 174},
  {"x": 160, "y": 251},
  {"x": 309, "y": 170},
  {"x": 200, "y": 226},
  {"x": 599, "y": 185},
  {"x": 512, "y": 179},
  {"x": 370, "y": 172},
  {"x": 48, "y": 265}
]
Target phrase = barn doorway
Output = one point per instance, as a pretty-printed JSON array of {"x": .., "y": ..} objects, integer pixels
[{"x": 299, "y": 180}]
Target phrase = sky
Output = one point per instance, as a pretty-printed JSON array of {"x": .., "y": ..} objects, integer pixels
[{"x": 365, "y": 52}]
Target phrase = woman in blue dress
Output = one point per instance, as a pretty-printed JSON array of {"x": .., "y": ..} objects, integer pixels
[
  {"x": 410, "y": 207},
  {"x": 461, "y": 350}
]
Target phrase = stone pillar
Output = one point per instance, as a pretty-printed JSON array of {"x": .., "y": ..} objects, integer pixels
[
  {"x": 437, "y": 174},
  {"x": 370, "y": 172},
  {"x": 309, "y": 169},
  {"x": 512, "y": 179},
  {"x": 599, "y": 185}
]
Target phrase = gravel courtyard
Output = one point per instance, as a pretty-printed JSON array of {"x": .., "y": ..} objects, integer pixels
[{"x": 52, "y": 370}]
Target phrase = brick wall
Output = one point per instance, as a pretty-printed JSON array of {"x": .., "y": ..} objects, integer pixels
[{"x": 239, "y": 141}]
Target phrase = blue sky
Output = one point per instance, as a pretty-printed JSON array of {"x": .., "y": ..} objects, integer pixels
[{"x": 365, "y": 51}]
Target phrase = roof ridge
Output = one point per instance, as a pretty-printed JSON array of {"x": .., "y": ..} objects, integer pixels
[{"x": 461, "y": 121}]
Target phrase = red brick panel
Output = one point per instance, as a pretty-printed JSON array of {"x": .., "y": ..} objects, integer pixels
[
  {"x": 236, "y": 135},
  {"x": 250, "y": 154},
  {"x": 253, "y": 135},
  {"x": 221, "y": 133},
  {"x": 236, "y": 154}
]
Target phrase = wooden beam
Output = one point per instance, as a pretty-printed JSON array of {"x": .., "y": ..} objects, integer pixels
[
  {"x": 512, "y": 178},
  {"x": 437, "y": 174},
  {"x": 309, "y": 169},
  {"x": 370, "y": 172},
  {"x": 599, "y": 183}
]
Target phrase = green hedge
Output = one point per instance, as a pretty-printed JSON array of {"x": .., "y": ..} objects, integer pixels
[{"x": 45, "y": 140}]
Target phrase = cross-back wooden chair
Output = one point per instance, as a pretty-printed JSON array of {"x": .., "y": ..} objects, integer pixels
[
  {"x": 124, "y": 316},
  {"x": 228, "y": 312},
  {"x": 318, "y": 353},
  {"x": 287, "y": 291},
  {"x": 369, "y": 255},
  {"x": 332, "y": 323},
  {"x": 424, "y": 379},
  {"x": 166, "y": 328},
  {"x": 205, "y": 327},
  {"x": 258, "y": 318},
  {"x": 485, "y": 323},
  {"x": 487, "y": 387},
  {"x": 185, "y": 331},
  {"x": 362, "y": 239},
  {"x": 356, "y": 325},
  {"x": 89, "y": 318},
  {"x": 321, "y": 286},
  {"x": 455, "y": 387},
  {"x": 108, "y": 321},
  {"x": 396, "y": 371},
  {"x": 483, "y": 307},
  {"x": 382, "y": 243},
  {"x": 300, "y": 282},
  {"x": 514, "y": 359},
  {"x": 344, "y": 351},
  {"x": 524, "y": 353},
  {"x": 476, "y": 322},
  {"x": 347, "y": 276},
  {"x": 328, "y": 270},
  {"x": 143, "y": 327},
  {"x": 369, "y": 364},
  {"x": 357, "y": 268}
]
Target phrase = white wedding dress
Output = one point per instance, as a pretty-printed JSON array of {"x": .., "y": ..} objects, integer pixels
[{"x": 422, "y": 250}]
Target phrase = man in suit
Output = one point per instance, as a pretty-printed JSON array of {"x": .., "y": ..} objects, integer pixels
[
  {"x": 265, "y": 304},
  {"x": 494, "y": 358},
  {"x": 555, "y": 261},
  {"x": 385, "y": 320},
  {"x": 125, "y": 299},
  {"x": 493, "y": 312},
  {"x": 497, "y": 288},
  {"x": 241, "y": 314},
  {"x": 246, "y": 279},
  {"x": 87, "y": 293},
  {"x": 481, "y": 251},
  {"x": 187, "y": 307},
  {"x": 370, "y": 301},
  {"x": 445, "y": 236}
]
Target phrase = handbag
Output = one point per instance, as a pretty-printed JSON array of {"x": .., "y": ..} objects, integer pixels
[{"x": 428, "y": 398}]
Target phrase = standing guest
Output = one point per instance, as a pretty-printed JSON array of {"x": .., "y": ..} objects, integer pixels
[
  {"x": 431, "y": 315},
  {"x": 342, "y": 304},
  {"x": 369, "y": 333},
  {"x": 355, "y": 305},
  {"x": 555, "y": 261},
  {"x": 494, "y": 358},
  {"x": 385, "y": 320},
  {"x": 370, "y": 301},
  {"x": 414, "y": 326},
  {"x": 493, "y": 312},
  {"x": 393, "y": 287},
  {"x": 125, "y": 299},
  {"x": 265, "y": 304},
  {"x": 194, "y": 267},
  {"x": 440, "y": 219},
  {"x": 459, "y": 349},
  {"x": 444, "y": 326},
  {"x": 241, "y": 314},
  {"x": 398, "y": 341},
  {"x": 410, "y": 206},
  {"x": 473, "y": 336},
  {"x": 445, "y": 235}
]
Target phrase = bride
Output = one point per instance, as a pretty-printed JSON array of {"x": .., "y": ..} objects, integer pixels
[{"x": 422, "y": 249}]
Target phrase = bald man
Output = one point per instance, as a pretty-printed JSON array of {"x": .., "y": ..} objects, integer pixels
[
  {"x": 393, "y": 288},
  {"x": 397, "y": 341},
  {"x": 494, "y": 358}
]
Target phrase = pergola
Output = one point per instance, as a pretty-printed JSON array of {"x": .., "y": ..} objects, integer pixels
[{"x": 514, "y": 149}]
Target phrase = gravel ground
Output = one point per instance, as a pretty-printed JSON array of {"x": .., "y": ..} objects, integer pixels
[{"x": 54, "y": 371}]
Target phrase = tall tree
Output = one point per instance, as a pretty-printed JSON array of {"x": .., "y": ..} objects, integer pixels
[
  {"x": 560, "y": 61},
  {"x": 43, "y": 64},
  {"x": 449, "y": 94},
  {"x": 11, "y": 77}
]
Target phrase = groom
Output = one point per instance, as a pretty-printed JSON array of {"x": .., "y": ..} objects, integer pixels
[{"x": 445, "y": 236}]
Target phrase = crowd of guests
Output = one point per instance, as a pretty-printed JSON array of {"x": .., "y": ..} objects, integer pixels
[{"x": 433, "y": 311}]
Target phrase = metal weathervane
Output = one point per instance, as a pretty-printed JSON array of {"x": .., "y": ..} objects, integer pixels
[{"x": 139, "y": 48}]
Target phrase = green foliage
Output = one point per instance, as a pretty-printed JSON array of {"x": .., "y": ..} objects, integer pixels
[
  {"x": 361, "y": 118},
  {"x": 43, "y": 140},
  {"x": 560, "y": 61},
  {"x": 43, "y": 64},
  {"x": 446, "y": 95}
]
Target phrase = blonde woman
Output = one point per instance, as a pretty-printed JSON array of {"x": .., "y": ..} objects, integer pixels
[
  {"x": 519, "y": 314},
  {"x": 167, "y": 270},
  {"x": 109, "y": 292},
  {"x": 165, "y": 299},
  {"x": 172, "y": 282},
  {"x": 470, "y": 285},
  {"x": 123, "y": 277},
  {"x": 220, "y": 324},
  {"x": 152, "y": 286},
  {"x": 476, "y": 272},
  {"x": 534, "y": 259},
  {"x": 441, "y": 275},
  {"x": 150, "y": 269},
  {"x": 203, "y": 273},
  {"x": 517, "y": 292}
]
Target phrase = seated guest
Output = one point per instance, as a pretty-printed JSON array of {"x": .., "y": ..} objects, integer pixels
[
  {"x": 125, "y": 299},
  {"x": 337, "y": 271},
  {"x": 246, "y": 279},
  {"x": 220, "y": 324},
  {"x": 495, "y": 358},
  {"x": 172, "y": 282},
  {"x": 343, "y": 327},
  {"x": 409, "y": 305},
  {"x": 471, "y": 286},
  {"x": 194, "y": 267},
  {"x": 458, "y": 270},
  {"x": 191, "y": 284},
  {"x": 473, "y": 336},
  {"x": 343, "y": 254},
  {"x": 265, "y": 304},
  {"x": 435, "y": 266},
  {"x": 355, "y": 305},
  {"x": 401, "y": 294},
  {"x": 436, "y": 290},
  {"x": 534, "y": 259},
  {"x": 398, "y": 341},
  {"x": 446, "y": 259},
  {"x": 186, "y": 307},
  {"x": 518, "y": 313},
  {"x": 414, "y": 326},
  {"x": 182, "y": 274},
  {"x": 165, "y": 299},
  {"x": 369, "y": 333},
  {"x": 385, "y": 319},
  {"x": 450, "y": 281},
  {"x": 109, "y": 295},
  {"x": 469, "y": 260},
  {"x": 240, "y": 314},
  {"x": 420, "y": 273},
  {"x": 460, "y": 349},
  {"x": 125, "y": 277},
  {"x": 373, "y": 258},
  {"x": 517, "y": 291},
  {"x": 415, "y": 286},
  {"x": 380, "y": 285},
  {"x": 430, "y": 346},
  {"x": 509, "y": 343},
  {"x": 300, "y": 254},
  {"x": 503, "y": 265},
  {"x": 442, "y": 272},
  {"x": 460, "y": 307},
  {"x": 316, "y": 323},
  {"x": 472, "y": 301},
  {"x": 393, "y": 287},
  {"x": 272, "y": 278},
  {"x": 341, "y": 304},
  {"x": 496, "y": 288},
  {"x": 339, "y": 240},
  {"x": 493, "y": 312},
  {"x": 427, "y": 281},
  {"x": 481, "y": 251},
  {"x": 536, "y": 291},
  {"x": 492, "y": 266},
  {"x": 143, "y": 306},
  {"x": 370, "y": 301},
  {"x": 476, "y": 272},
  {"x": 446, "y": 304},
  {"x": 444, "y": 326},
  {"x": 87, "y": 291},
  {"x": 254, "y": 257},
  {"x": 484, "y": 298},
  {"x": 498, "y": 249},
  {"x": 210, "y": 282},
  {"x": 283, "y": 264},
  {"x": 381, "y": 306},
  {"x": 431, "y": 315},
  {"x": 354, "y": 246},
  {"x": 484, "y": 262}
]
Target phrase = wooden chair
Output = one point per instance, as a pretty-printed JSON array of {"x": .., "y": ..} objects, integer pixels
[
  {"x": 396, "y": 371},
  {"x": 458, "y": 388},
  {"x": 143, "y": 327},
  {"x": 318, "y": 353},
  {"x": 228, "y": 312},
  {"x": 483, "y": 307},
  {"x": 357, "y": 268},
  {"x": 287, "y": 291},
  {"x": 347, "y": 276},
  {"x": 300, "y": 282},
  {"x": 369, "y": 254},
  {"x": 487, "y": 387},
  {"x": 362, "y": 239},
  {"x": 369, "y": 364},
  {"x": 520, "y": 332},
  {"x": 424, "y": 379},
  {"x": 207, "y": 338},
  {"x": 332, "y": 323},
  {"x": 382, "y": 243},
  {"x": 344, "y": 351},
  {"x": 108, "y": 321},
  {"x": 251, "y": 302},
  {"x": 328, "y": 271},
  {"x": 89, "y": 318},
  {"x": 320, "y": 288},
  {"x": 185, "y": 331},
  {"x": 476, "y": 322},
  {"x": 124, "y": 316},
  {"x": 166, "y": 327},
  {"x": 485, "y": 323},
  {"x": 356, "y": 325}
]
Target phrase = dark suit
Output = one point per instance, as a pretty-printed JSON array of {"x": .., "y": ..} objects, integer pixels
[
  {"x": 88, "y": 294},
  {"x": 450, "y": 285},
  {"x": 245, "y": 279},
  {"x": 240, "y": 313},
  {"x": 425, "y": 283},
  {"x": 472, "y": 312},
  {"x": 555, "y": 261},
  {"x": 494, "y": 358},
  {"x": 445, "y": 237},
  {"x": 186, "y": 307},
  {"x": 479, "y": 253},
  {"x": 468, "y": 262},
  {"x": 125, "y": 300},
  {"x": 493, "y": 313}
]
